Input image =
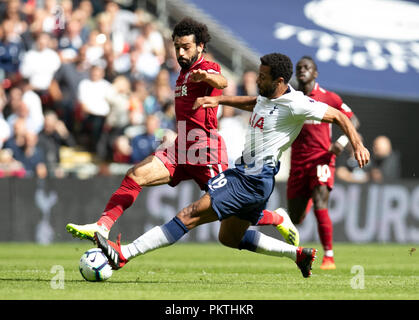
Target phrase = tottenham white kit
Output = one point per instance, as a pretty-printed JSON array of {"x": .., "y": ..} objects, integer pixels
[{"x": 275, "y": 124}]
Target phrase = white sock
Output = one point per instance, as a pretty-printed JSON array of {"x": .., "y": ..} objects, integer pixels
[
  {"x": 274, "y": 247},
  {"x": 155, "y": 238},
  {"x": 328, "y": 253},
  {"x": 151, "y": 240},
  {"x": 258, "y": 242}
]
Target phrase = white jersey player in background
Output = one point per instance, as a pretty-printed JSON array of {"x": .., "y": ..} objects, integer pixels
[{"x": 238, "y": 196}]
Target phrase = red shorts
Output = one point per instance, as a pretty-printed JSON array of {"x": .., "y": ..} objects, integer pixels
[
  {"x": 181, "y": 168},
  {"x": 303, "y": 178}
]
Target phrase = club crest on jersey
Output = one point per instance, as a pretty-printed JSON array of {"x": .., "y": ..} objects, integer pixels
[
  {"x": 181, "y": 91},
  {"x": 256, "y": 122}
]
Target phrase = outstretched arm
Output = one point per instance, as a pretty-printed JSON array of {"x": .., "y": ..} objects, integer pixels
[
  {"x": 246, "y": 103},
  {"x": 340, "y": 144},
  {"x": 215, "y": 80},
  {"x": 361, "y": 153}
]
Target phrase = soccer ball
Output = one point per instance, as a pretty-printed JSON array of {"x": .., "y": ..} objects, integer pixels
[{"x": 94, "y": 266}]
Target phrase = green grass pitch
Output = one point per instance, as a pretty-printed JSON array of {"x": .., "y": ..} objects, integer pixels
[{"x": 210, "y": 272}]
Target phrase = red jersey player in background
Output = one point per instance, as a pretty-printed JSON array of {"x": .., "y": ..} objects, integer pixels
[
  {"x": 313, "y": 157},
  {"x": 196, "y": 133}
]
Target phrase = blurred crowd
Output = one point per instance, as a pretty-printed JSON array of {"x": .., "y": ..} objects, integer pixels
[
  {"x": 385, "y": 164},
  {"x": 89, "y": 84},
  {"x": 93, "y": 77}
]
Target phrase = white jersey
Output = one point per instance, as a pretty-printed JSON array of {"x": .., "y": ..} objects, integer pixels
[{"x": 274, "y": 125}]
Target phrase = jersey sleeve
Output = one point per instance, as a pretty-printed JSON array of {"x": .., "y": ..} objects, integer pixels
[
  {"x": 308, "y": 109},
  {"x": 340, "y": 105},
  {"x": 211, "y": 67}
]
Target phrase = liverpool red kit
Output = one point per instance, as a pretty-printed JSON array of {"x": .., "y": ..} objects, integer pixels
[
  {"x": 199, "y": 152},
  {"x": 311, "y": 162}
]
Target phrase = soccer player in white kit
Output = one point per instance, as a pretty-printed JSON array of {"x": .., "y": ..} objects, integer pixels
[{"x": 238, "y": 196}]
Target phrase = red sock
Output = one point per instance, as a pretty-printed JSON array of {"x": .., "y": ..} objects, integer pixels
[
  {"x": 325, "y": 228},
  {"x": 270, "y": 218},
  {"x": 120, "y": 200}
]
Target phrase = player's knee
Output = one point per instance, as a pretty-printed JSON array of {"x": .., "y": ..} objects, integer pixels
[
  {"x": 142, "y": 173},
  {"x": 321, "y": 197},
  {"x": 320, "y": 204},
  {"x": 228, "y": 240},
  {"x": 135, "y": 174}
]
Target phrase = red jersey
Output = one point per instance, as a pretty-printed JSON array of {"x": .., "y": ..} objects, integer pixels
[
  {"x": 186, "y": 92},
  {"x": 315, "y": 137},
  {"x": 197, "y": 129}
]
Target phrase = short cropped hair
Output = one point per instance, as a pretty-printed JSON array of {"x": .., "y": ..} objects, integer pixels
[
  {"x": 188, "y": 26},
  {"x": 310, "y": 59},
  {"x": 280, "y": 64}
]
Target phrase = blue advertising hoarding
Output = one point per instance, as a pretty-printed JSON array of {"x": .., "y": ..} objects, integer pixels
[{"x": 363, "y": 47}]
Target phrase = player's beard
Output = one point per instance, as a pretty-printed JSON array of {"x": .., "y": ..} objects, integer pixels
[
  {"x": 186, "y": 64},
  {"x": 267, "y": 92}
]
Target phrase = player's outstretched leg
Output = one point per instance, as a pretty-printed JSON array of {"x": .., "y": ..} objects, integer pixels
[
  {"x": 155, "y": 238},
  {"x": 87, "y": 231},
  {"x": 150, "y": 171},
  {"x": 120, "y": 200},
  {"x": 258, "y": 242},
  {"x": 281, "y": 220}
]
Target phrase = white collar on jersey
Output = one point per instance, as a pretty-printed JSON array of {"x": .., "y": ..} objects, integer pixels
[
  {"x": 283, "y": 97},
  {"x": 197, "y": 62}
]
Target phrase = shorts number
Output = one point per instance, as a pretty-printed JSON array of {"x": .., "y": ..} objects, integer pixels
[
  {"x": 211, "y": 169},
  {"x": 220, "y": 182},
  {"x": 323, "y": 172}
]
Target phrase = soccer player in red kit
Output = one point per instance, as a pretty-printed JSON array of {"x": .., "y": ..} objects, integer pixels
[
  {"x": 198, "y": 153},
  {"x": 313, "y": 160}
]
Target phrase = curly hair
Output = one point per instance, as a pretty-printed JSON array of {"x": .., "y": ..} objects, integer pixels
[
  {"x": 188, "y": 26},
  {"x": 280, "y": 64}
]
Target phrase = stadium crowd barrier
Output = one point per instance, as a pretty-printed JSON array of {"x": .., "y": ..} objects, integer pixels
[{"x": 38, "y": 210}]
